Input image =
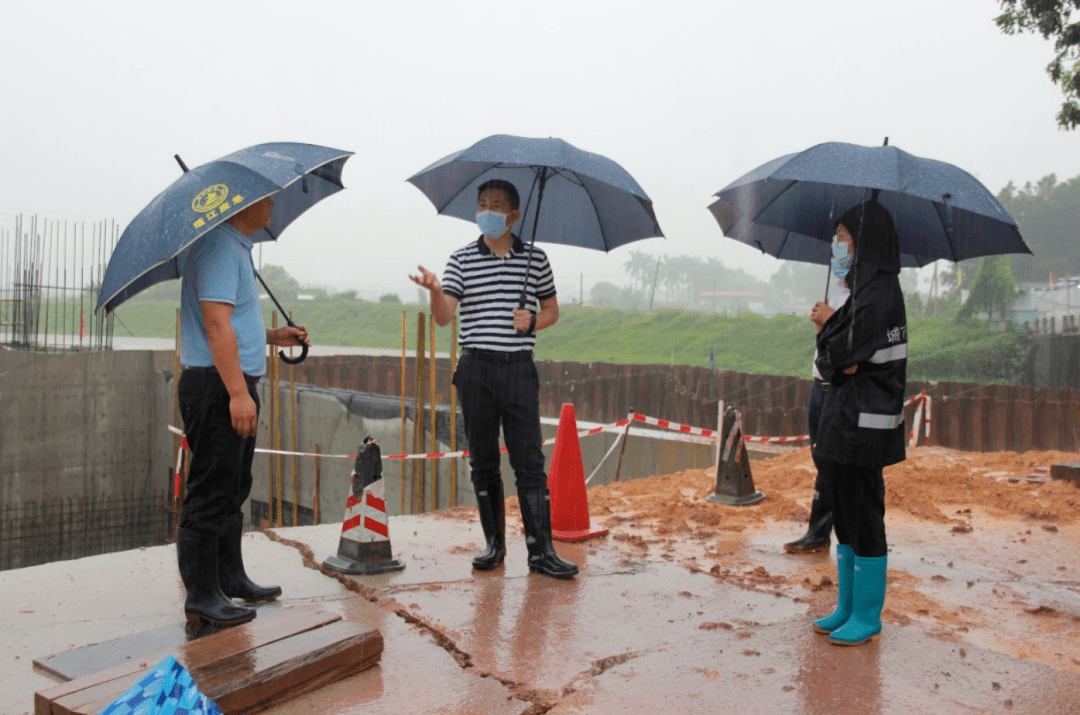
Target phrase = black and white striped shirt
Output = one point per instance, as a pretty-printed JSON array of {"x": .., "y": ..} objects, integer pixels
[{"x": 488, "y": 289}]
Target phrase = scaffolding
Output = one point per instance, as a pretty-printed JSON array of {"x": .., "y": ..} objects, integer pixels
[{"x": 50, "y": 275}]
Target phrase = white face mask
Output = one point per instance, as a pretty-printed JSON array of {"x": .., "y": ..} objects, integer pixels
[{"x": 492, "y": 224}]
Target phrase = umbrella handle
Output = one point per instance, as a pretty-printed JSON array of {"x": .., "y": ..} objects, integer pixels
[
  {"x": 296, "y": 360},
  {"x": 303, "y": 352},
  {"x": 288, "y": 321}
]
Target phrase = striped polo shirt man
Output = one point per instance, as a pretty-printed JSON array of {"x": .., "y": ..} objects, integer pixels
[
  {"x": 496, "y": 379},
  {"x": 488, "y": 289}
]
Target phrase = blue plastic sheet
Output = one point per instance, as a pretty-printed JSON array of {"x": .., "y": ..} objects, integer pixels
[{"x": 167, "y": 689}]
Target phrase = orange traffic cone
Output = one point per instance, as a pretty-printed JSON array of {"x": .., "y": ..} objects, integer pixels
[{"x": 566, "y": 481}]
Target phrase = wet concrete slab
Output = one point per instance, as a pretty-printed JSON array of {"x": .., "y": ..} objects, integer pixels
[
  {"x": 653, "y": 623},
  {"x": 653, "y": 629},
  {"x": 787, "y": 668},
  {"x": 57, "y": 607}
]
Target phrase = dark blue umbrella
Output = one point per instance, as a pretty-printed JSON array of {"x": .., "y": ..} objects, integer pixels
[
  {"x": 589, "y": 200},
  {"x": 940, "y": 211},
  {"x": 788, "y": 245},
  {"x": 153, "y": 247}
]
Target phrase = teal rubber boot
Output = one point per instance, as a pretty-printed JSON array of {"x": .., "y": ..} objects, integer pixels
[
  {"x": 845, "y": 563},
  {"x": 868, "y": 597}
]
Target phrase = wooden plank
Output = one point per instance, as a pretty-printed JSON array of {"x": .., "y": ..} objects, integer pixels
[
  {"x": 291, "y": 667},
  {"x": 251, "y": 681},
  {"x": 67, "y": 698}
]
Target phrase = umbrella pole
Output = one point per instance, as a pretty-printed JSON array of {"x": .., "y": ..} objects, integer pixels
[
  {"x": 288, "y": 320},
  {"x": 532, "y": 242}
]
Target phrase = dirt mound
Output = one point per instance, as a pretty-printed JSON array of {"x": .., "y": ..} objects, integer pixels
[{"x": 933, "y": 484}]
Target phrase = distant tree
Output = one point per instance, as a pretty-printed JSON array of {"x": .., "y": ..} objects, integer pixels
[
  {"x": 1054, "y": 21},
  {"x": 640, "y": 266},
  {"x": 909, "y": 285},
  {"x": 1048, "y": 214},
  {"x": 345, "y": 295},
  {"x": 994, "y": 287},
  {"x": 609, "y": 295},
  {"x": 801, "y": 284},
  {"x": 390, "y": 298},
  {"x": 284, "y": 286}
]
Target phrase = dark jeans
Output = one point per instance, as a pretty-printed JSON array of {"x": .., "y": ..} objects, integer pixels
[
  {"x": 220, "y": 478},
  {"x": 859, "y": 509},
  {"x": 506, "y": 393}
]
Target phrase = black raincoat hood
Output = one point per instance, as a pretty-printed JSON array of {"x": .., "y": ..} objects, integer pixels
[{"x": 877, "y": 244}]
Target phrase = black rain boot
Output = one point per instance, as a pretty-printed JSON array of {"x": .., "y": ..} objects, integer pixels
[
  {"x": 231, "y": 574},
  {"x": 536, "y": 515},
  {"x": 821, "y": 521},
  {"x": 492, "y": 506},
  {"x": 196, "y": 555}
]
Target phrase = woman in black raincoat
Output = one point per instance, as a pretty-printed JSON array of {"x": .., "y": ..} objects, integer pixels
[{"x": 862, "y": 353}]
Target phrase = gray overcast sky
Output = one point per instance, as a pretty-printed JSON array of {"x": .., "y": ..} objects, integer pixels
[{"x": 687, "y": 96}]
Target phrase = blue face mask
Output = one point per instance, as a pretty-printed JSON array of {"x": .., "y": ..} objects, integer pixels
[
  {"x": 841, "y": 260},
  {"x": 491, "y": 223}
]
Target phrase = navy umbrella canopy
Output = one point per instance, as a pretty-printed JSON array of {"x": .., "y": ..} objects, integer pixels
[
  {"x": 587, "y": 200},
  {"x": 154, "y": 246},
  {"x": 788, "y": 245},
  {"x": 940, "y": 211}
]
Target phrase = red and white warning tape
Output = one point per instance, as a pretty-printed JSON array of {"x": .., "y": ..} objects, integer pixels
[
  {"x": 666, "y": 424},
  {"x": 427, "y": 455},
  {"x": 922, "y": 415},
  {"x": 687, "y": 429}
]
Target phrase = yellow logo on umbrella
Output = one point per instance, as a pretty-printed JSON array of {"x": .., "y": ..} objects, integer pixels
[{"x": 210, "y": 198}]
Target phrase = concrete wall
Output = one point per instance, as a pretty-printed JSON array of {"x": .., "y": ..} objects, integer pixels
[
  {"x": 338, "y": 420},
  {"x": 83, "y": 424}
]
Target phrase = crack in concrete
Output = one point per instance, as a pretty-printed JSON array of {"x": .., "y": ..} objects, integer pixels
[
  {"x": 308, "y": 557},
  {"x": 541, "y": 700}
]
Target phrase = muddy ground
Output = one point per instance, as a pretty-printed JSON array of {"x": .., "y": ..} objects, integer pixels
[{"x": 998, "y": 564}]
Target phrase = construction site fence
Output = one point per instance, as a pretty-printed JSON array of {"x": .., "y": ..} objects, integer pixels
[
  {"x": 967, "y": 416},
  {"x": 35, "y": 533}
]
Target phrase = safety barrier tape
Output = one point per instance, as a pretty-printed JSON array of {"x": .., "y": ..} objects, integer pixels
[
  {"x": 675, "y": 426},
  {"x": 687, "y": 429},
  {"x": 426, "y": 455},
  {"x": 922, "y": 398}
]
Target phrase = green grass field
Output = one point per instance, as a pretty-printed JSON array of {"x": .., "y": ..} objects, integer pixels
[{"x": 781, "y": 345}]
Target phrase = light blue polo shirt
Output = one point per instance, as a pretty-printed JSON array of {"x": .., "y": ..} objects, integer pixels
[{"x": 219, "y": 269}]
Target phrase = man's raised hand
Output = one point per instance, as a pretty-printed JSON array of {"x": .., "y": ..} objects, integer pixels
[{"x": 426, "y": 279}]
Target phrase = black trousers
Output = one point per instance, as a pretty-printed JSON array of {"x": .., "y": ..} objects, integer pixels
[
  {"x": 506, "y": 394},
  {"x": 858, "y": 495},
  {"x": 220, "y": 478},
  {"x": 823, "y": 482}
]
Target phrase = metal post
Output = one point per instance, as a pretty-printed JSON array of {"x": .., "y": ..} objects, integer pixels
[
  {"x": 270, "y": 460},
  {"x": 292, "y": 430},
  {"x": 719, "y": 430},
  {"x": 403, "y": 337},
  {"x": 453, "y": 412},
  {"x": 434, "y": 435},
  {"x": 315, "y": 497},
  {"x": 176, "y": 384},
  {"x": 418, "y": 416},
  {"x": 626, "y": 438}
]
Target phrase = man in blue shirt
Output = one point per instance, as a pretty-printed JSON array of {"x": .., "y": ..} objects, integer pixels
[{"x": 223, "y": 350}]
